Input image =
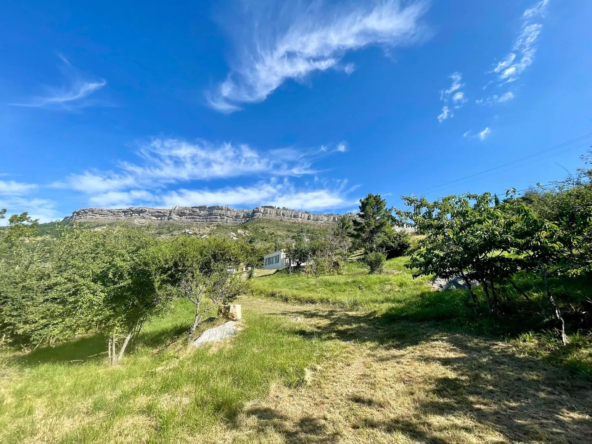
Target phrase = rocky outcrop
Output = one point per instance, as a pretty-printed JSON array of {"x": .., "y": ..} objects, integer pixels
[{"x": 202, "y": 214}]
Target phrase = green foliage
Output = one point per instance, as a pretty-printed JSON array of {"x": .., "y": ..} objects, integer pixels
[
  {"x": 83, "y": 281},
  {"x": 375, "y": 261},
  {"x": 393, "y": 243},
  {"x": 374, "y": 219}
]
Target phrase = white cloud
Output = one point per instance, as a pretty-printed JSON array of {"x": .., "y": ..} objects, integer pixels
[
  {"x": 167, "y": 162},
  {"x": 12, "y": 188},
  {"x": 504, "y": 97},
  {"x": 467, "y": 133},
  {"x": 456, "y": 85},
  {"x": 349, "y": 68},
  {"x": 14, "y": 197},
  {"x": 459, "y": 97},
  {"x": 453, "y": 93},
  {"x": 69, "y": 96},
  {"x": 485, "y": 133},
  {"x": 523, "y": 52},
  {"x": 280, "y": 194},
  {"x": 537, "y": 10},
  {"x": 311, "y": 38},
  {"x": 445, "y": 114}
]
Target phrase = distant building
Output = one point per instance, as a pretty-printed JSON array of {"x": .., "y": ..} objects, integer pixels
[{"x": 276, "y": 261}]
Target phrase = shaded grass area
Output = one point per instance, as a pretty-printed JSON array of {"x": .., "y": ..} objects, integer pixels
[
  {"x": 68, "y": 394},
  {"x": 408, "y": 382},
  {"x": 395, "y": 295}
]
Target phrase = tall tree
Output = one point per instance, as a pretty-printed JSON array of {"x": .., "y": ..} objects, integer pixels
[{"x": 373, "y": 221}]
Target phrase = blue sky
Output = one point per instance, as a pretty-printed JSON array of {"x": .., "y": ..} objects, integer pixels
[{"x": 304, "y": 104}]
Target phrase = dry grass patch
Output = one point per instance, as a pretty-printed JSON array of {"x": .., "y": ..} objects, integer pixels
[{"x": 409, "y": 383}]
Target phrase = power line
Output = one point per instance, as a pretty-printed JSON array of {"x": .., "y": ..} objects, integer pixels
[
  {"x": 528, "y": 163},
  {"x": 577, "y": 139}
]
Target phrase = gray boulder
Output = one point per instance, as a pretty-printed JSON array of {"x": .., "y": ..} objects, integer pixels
[{"x": 217, "y": 334}]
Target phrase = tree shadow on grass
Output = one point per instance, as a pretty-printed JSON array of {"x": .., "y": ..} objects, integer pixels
[
  {"x": 94, "y": 348},
  {"x": 306, "y": 429},
  {"x": 88, "y": 348},
  {"x": 524, "y": 399}
]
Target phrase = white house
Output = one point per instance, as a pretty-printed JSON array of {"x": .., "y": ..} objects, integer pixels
[{"x": 276, "y": 261}]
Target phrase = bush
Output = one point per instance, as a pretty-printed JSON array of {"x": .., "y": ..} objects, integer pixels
[
  {"x": 375, "y": 262},
  {"x": 394, "y": 243}
]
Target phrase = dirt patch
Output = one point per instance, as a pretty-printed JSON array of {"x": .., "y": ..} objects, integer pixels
[{"x": 410, "y": 383}]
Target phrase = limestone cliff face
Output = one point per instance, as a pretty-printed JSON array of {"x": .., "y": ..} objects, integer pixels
[{"x": 202, "y": 214}]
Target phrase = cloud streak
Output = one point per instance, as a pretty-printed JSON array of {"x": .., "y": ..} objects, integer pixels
[
  {"x": 168, "y": 163},
  {"x": 454, "y": 95},
  {"x": 70, "y": 96},
  {"x": 523, "y": 51},
  {"x": 311, "y": 38},
  {"x": 14, "y": 196}
]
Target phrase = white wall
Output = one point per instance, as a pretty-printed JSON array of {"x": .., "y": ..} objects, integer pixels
[{"x": 275, "y": 261}]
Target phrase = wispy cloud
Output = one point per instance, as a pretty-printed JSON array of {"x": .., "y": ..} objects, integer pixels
[
  {"x": 12, "y": 188},
  {"x": 523, "y": 51},
  {"x": 445, "y": 114},
  {"x": 291, "y": 42},
  {"x": 14, "y": 196},
  {"x": 69, "y": 96},
  {"x": 454, "y": 95},
  {"x": 485, "y": 133},
  {"x": 537, "y": 10},
  {"x": 276, "y": 193},
  {"x": 171, "y": 171}
]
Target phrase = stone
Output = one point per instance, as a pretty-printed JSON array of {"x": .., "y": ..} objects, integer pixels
[
  {"x": 457, "y": 283},
  {"x": 215, "y": 214},
  {"x": 230, "y": 311},
  {"x": 217, "y": 334},
  {"x": 296, "y": 318}
]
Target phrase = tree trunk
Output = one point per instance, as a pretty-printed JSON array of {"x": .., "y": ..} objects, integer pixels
[
  {"x": 556, "y": 309},
  {"x": 124, "y": 346},
  {"x": 110, "y": 349},
  {"x": 520, "y": 291},
  {"x": 495, "y": 297},
  {"x": 195, "y": 322},
  {"x": 470, "y": 287},
  {"x": 486, "y": 291}
]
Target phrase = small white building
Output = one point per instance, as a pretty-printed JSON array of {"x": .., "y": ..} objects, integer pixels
[{"x": 276, "y": 261}]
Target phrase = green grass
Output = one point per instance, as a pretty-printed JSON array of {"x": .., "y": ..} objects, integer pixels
[
  {"x": 354, "y": 289},
  {"x": 68, "y": 394},
  {"x": 395, "y": 295}
]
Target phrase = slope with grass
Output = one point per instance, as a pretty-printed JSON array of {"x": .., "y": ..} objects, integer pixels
[{"x": 160, "y": 393}]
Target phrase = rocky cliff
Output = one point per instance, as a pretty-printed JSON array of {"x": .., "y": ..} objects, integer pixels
[{"x": 203, "y": 214}]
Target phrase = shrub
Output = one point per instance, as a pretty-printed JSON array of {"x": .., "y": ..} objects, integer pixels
[{"x": 375, "y": 262}]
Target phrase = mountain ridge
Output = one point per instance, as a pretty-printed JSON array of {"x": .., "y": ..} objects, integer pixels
[{"x": 198, "y": 214}]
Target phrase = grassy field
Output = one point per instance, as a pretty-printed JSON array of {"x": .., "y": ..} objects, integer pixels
[
  {"x": 396, "y": 295},
  {"x": 68, "y": 394},
  {"x": 358, "y": 358}
]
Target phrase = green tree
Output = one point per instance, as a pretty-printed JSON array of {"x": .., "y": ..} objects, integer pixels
[
  {"x": 373, "y": 220},
  {"x": 202, "y": 270},
  {"x": 84, "y": 281}
]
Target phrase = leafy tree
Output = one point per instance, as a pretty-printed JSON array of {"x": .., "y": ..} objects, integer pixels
[
  {"x": 84, "y": 281},
  {"x": 201, "y": 270},
  {"x": 374, "y": 219},
  {"x": 19, "y": 226}
]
